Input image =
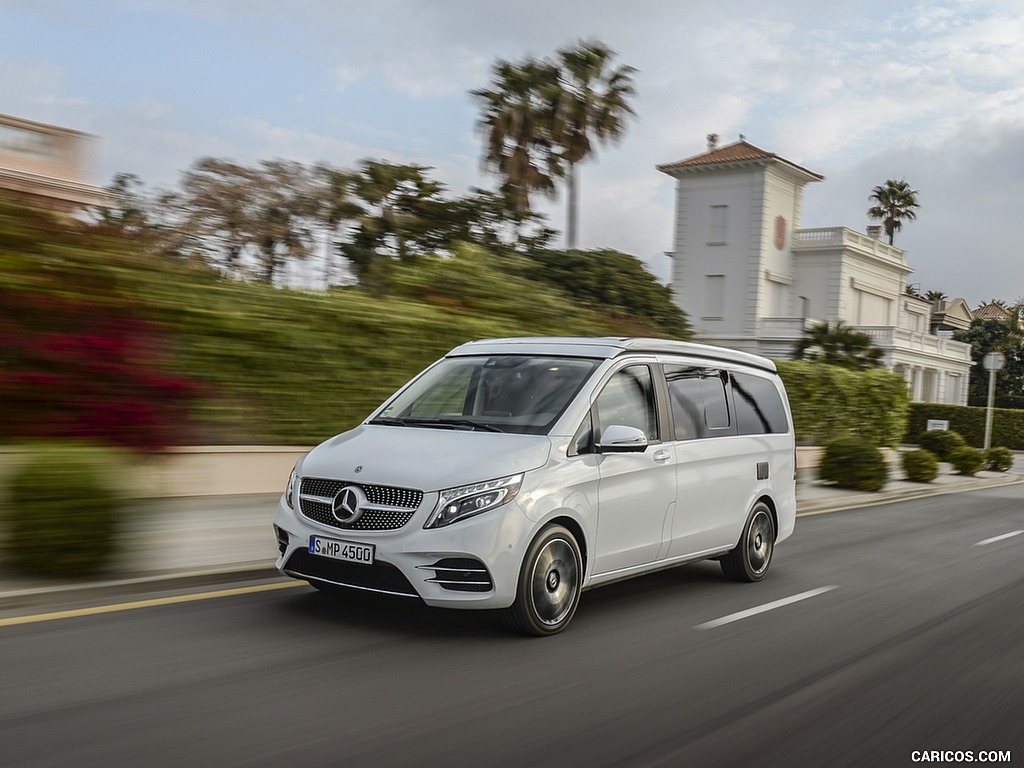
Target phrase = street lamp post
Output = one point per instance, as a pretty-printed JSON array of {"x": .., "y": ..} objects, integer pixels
[{"x": 993, "y": 362}]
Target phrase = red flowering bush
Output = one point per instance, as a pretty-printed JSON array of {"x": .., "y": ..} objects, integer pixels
[{"x": 76, "y": 369}]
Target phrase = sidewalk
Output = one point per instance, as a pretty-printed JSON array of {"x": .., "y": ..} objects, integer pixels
[{"x": 187, "y": 542}]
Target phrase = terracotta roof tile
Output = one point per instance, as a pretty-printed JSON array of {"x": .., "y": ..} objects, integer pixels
[
  {"x": 992, "y": 310},
  {"x": 739, "y": 152}
]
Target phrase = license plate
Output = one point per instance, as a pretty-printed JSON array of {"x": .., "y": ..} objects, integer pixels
[{"x": 348, "y": 551}]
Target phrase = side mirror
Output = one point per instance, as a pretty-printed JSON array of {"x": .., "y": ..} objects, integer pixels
[{"x": 619, "y": 438}]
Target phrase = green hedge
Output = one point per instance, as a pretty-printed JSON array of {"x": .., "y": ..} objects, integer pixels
[
  {"x": 829, "y": 402},
  {"x": 1007, "y": 425}
]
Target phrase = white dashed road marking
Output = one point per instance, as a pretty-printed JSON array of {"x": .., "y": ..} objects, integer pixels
[
  {"x": 994, "y": 539},
  {"x": 766, "y": 607}
]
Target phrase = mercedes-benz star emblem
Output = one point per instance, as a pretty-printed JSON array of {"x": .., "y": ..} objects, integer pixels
[{"x": 348, "y": 504}]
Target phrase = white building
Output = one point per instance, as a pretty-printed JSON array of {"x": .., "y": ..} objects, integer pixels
[{"x": 749, "y": 277}]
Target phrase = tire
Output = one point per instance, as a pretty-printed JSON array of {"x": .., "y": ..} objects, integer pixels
[
  {"x": 750, "y": 559},
  {"x": 550, "y": 581}
]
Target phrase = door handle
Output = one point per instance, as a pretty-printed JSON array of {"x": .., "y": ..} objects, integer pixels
[{"x": 662, "y": 456}]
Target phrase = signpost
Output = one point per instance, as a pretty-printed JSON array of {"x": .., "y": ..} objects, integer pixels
[{"x": 994, "y": 361}]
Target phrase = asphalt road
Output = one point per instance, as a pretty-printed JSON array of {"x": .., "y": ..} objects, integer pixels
[{"x": 895, "y": 629}]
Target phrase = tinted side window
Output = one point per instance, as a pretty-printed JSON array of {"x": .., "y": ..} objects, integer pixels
[
  {"x": 700, "y": 407},
  {"x": 759, "y": 407},
  {"x": 716, "y": 404},
  {"x": 628, "y": 399},
  {"x": 686, "y": 394}
]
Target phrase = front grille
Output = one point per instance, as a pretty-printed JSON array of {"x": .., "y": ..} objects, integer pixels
[
  {"x": 460, "y": 574},
  {"x": 387, "y": 508},
  {"x": 379, "y": 577}
]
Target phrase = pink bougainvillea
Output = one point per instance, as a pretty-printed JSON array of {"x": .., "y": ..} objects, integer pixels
[{"x": 76, "y": 368}]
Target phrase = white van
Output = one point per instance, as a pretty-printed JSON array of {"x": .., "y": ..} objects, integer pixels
[{"x": 514, "y": 473}]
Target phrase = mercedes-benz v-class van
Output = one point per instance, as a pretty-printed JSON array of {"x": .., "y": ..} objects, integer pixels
[{"x": 515, "y": 473}]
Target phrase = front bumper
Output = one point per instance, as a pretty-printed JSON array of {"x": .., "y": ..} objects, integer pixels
[{"x": 470, "y": 564}]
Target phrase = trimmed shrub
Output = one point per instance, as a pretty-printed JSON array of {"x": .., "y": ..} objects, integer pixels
[
  {"x": 62, "y": 513},
  {"x": 921, "y": 466},
  {"x": 998, "y": 459},
  {"x": 852, "y": 462},
  {"x": 941, "y": 442},
  {"x": 967, "y": 460}
]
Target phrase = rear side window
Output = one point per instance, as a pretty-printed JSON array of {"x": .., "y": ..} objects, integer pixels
[
  {"x": 700, "y": 407},
  {"x": 759, "y": 407}
]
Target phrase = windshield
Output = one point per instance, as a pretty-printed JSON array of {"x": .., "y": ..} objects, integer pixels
[{"x": 498, "y": 393}]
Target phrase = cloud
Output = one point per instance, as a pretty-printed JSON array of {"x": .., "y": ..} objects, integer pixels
[
  {"x": 36, "y": 90},
  {"x": 858, "y": 90},
  {"x": 343, "y": 76}
]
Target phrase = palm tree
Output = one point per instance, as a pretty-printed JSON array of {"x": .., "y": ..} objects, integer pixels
[
  {"x": 840, "y": 345},
  {"x": 895, "y": 201},
  {"x": 518, "y": 120},
  {"x": 936, "y": 296},
  {"x": 593, "y": 104}
]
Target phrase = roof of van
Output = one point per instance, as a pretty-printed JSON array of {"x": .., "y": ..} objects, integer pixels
[{"x": 606, "y": 347}]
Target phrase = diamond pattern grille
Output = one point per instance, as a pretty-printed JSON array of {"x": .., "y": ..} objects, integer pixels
[{"x": 401, "y": 503}]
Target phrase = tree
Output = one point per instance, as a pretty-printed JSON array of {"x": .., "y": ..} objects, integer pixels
[
  {"x": 989, "y": 334},
  {"x": 335, "y": 206},
  {"x": 613, "y": 283},
  {"x": 234, "y": 215},
  {"x": 400, "y": 208},
  {"x": 285, "y": 207},
  {"x": 128, "y": 207},
  {"x": 895, "y": 201},
  {"x": 484, "y": 218},
  {"x": 593, "y": 104},
  {"x": 936, "y": 296},
  {"x": 518, "y": 119},
  {"x": 838, "y": 344}
]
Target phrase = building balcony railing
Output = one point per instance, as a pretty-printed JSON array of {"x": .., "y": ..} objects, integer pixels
[
  {"x": 783, "y": 327},
  {"x": 841, "y": 237},
  {"x": 889, "y": 337}
]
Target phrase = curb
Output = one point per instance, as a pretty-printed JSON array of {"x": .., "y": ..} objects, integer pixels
[
  {"x": 42, "y": 593},
  {"x": 63, "y": 593},
  {"x": 858, "y": 500}
]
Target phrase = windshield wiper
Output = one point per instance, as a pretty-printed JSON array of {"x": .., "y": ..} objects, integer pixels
[
  {"x": 389, "y": 420},
  {"x": 469, "y": 423},
  {"x": 413, "y": 421}
]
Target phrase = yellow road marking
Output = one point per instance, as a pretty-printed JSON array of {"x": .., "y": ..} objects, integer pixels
[{"x": 115, "y": 607}]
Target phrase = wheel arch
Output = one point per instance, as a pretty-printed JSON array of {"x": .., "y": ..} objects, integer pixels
[
  {"x": 770, "y": 503},
  {"x": 573, "y": 526}
]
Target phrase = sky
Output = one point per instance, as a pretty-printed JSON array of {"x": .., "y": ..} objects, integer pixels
[{"x": 859, "y": 91}]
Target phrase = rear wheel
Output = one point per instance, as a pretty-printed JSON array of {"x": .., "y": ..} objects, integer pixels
[
  {"x": 550, "y": 581},
  {"x": 750, "y": 559}
]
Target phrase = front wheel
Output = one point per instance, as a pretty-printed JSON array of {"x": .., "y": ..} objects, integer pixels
[
  {"x": 550, "y": 581},
  {"x": 750, "y": 559}
]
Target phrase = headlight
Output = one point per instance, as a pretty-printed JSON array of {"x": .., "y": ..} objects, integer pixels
[
  {"x": 457, "y": 504},
  {"x": 289, "y": 494}
]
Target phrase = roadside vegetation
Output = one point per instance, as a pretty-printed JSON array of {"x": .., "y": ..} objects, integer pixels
[{"x": 161, "y": 351}]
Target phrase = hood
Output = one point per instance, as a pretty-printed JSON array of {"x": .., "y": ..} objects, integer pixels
[{"x": 424, "y": 458}]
